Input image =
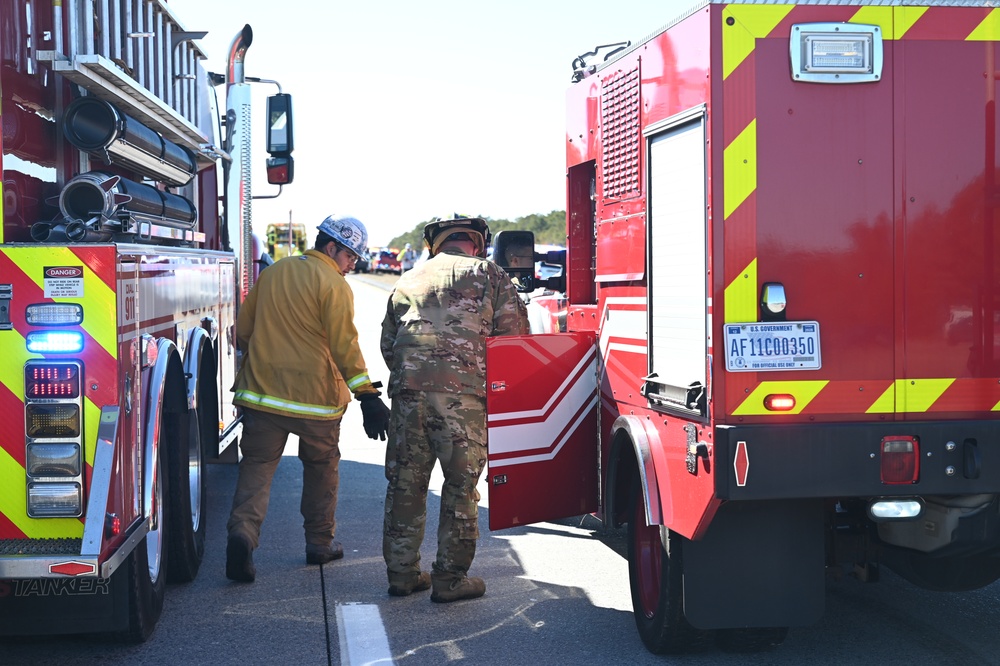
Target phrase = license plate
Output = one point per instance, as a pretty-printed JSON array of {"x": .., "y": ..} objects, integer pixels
[{"x": 770, "y": 346}]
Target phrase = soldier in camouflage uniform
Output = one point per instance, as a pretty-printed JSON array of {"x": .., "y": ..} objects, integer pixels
[{"x": 434, "y": 342}]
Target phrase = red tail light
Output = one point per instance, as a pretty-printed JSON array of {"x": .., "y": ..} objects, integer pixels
[
  {"x": 900, "y": 460},
  {"x": 55, "y": 380}
]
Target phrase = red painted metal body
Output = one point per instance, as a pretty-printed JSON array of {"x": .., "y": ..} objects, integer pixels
[
  {"x": 158, "y": 295},
  {"x": 872, "y": 203}
]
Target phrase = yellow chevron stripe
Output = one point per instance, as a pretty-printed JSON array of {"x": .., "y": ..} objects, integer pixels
[
  {"x": 988, "y": 30},
  {"x": 13, "y": 505},
  {"x": 100, "y": 319},
  {"x": 741, "y": 296},
  {"x": 91, "y": 417},
  {"x": 910, "y": 395},
  {"x": 739, "y": 161},
  {"x": 12, "y": 369},
  {"x": 904, "y": 18},
  {"x": 804, "y": 392},
  {"x": 886, "y": 403},
  {"x": 880, "y": 16},
  {"x": 752, "y": 22},
  {"x": 917, "y": 395}
]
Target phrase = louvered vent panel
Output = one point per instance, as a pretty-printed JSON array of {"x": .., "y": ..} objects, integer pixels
[{"x": 620, "y": 129}]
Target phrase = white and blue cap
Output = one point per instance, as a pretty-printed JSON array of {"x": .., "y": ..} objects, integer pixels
[{"x": 347, "y": 231}]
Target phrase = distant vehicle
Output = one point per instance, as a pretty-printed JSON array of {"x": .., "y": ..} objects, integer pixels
[
  {"x": 386, "y": 262},
  {"x": 364, "y": 263},
  {"x": 279, "y": 240},
  {"x": 545, "y": 269}
]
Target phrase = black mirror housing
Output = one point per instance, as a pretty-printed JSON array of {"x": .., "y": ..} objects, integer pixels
[
  {"x": 280, "y": 141},
  {"x": 514, "y": 251}
]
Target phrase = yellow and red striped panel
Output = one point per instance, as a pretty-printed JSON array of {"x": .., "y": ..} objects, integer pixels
[
  {"x": 23, "y": 268},
  {"x": 743, "y": 25}
]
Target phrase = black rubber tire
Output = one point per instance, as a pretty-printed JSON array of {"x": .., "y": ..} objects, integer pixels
[
  {"x": 186, "y": 470},
  {"x": 655, "y": 571},
  {"x": 147, "y": 569}
]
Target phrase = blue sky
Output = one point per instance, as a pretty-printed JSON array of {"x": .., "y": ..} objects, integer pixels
[{"x": 406, "y": 110}]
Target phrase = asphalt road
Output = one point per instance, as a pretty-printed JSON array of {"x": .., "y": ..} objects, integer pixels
[{"x": 557, "y": 592}]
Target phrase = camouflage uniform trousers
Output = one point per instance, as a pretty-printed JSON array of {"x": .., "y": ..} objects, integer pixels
[
  {"x": 263, "y": 441},
  {"x": 425, "y": 427}
]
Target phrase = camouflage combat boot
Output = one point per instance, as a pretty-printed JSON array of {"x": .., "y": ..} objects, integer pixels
[
  {"x": 457, "y": 589},
  {"x": 419, "y": 584}
]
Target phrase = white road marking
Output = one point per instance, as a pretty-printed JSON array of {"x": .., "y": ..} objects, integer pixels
[{"x": 362, "y": 635}]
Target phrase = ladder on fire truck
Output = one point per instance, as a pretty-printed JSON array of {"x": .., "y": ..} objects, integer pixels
[{"x": 144, "y": 64}]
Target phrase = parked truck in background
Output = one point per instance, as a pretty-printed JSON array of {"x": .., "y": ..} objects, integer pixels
[
  {"x": 125, "y": 251},
  {"x": 780, "y": 354},
  {"x": 285, "y": 239}
]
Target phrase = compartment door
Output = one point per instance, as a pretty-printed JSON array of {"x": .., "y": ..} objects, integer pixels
[{"x": 541, "y": 404}]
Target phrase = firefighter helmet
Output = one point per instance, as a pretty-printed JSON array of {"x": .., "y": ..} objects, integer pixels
[
  {"x": 347, "y": 231},
  {"x": 440, "y": 229}
]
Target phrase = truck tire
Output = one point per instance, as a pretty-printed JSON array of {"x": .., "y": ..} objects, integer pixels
[
  {"x": 655, "y": 571},
  {"x": 146, "y": 569},
  {"x": 186, "y": 469}
]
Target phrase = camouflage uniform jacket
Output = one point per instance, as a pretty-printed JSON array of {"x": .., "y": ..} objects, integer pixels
[
  {"x": 300, "y": 348},
  {"x": 437, "y": 320}
]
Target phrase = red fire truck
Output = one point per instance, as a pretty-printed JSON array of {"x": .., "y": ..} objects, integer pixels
[
  {"x": 781, "y": 349},
  {"x": 120, "y": 277}
]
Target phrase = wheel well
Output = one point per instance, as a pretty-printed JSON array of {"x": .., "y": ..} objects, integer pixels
[
  {"x": 208, "y": 398},
  {"x": 623, "y": 476}
]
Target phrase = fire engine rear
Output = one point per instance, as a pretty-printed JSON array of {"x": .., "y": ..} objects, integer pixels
[
  {"x": 779, "y": 356},
  {"x": 120, "y": 278}
]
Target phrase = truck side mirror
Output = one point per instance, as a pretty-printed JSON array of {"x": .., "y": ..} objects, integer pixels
[
  {"x": 280, "y": 141},
  {"x": 514, "y": 251}
]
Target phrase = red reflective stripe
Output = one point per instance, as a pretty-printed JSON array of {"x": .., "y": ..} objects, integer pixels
[
  {"x": 9, "y": 530},
  {"x": 12, "y": 425}
]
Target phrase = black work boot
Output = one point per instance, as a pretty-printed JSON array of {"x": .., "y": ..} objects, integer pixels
[
  {"x": 317, "y": 554},
  {"x": 419, "y": 584},
  {"x": 239, "y": 559},
  {"x": 457, "y": 589}
]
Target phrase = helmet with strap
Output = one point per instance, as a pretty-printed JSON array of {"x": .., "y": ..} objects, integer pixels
[
  {"x": 347, "y": 231},
  {"x": 440, "y": 229}
]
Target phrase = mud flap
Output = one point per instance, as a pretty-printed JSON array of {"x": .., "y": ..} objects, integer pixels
[
  {"x": 761, "y": 564},
  {"x": 82, "y": 605}
]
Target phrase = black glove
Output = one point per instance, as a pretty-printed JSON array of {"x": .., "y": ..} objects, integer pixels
[{"x": 375, "y": 414}]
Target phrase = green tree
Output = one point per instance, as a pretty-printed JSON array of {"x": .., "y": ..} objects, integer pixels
[{"x": 549, "y": 229}]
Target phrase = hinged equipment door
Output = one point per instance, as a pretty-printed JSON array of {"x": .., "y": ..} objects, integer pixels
[{"x": 541, "y": 402}]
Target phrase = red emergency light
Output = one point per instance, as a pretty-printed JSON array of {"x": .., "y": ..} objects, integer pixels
[{"x": 779, "y": 402}]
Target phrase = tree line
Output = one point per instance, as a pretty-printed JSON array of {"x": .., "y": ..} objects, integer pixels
[{"x": 549, "y": 229}]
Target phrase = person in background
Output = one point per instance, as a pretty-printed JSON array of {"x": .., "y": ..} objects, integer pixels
[
  {"x": 406, "y": 258},
  {"x": 434, "y": 341},
  {"x": 300, "y": 363}
]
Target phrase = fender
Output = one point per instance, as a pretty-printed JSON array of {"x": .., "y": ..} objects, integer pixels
[
  {"x": 157, "y": 356},
  {"x": 629, "y": 433},
  {"x": 199, "y": 340}
]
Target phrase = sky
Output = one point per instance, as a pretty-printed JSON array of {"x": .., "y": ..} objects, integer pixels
[{"x": 405, "y": 110}]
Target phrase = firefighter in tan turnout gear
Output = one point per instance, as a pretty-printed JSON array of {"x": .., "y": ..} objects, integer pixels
[
  {"x": 301, "y": 363},
  {"x": 433, "y": 340}
]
